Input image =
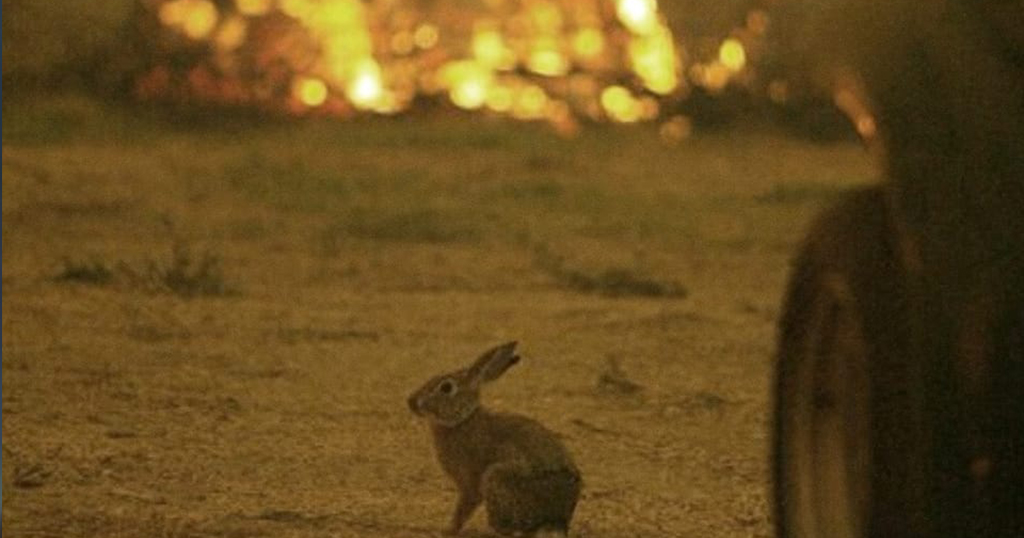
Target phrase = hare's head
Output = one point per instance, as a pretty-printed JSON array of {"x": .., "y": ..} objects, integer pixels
[{"x": 449, "y": 399}]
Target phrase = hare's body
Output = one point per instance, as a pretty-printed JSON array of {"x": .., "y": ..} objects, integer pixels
[{"x": 515, "y": 466}]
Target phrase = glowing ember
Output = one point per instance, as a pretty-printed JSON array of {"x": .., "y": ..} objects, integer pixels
[
  {"x": 552, "y": 60},
  {"x": 490, "y": 50},
  {"x": 194, "y": 18},
  {"x": 310, "y": 91},
  {"x": 640, "y": 16},
  {"x": 201, "y": 20},
  {"x": 588, "y": 43},
  {"x": 426, "y": 36},
  {"x": 231, "y": 34},
  {"x": 254, "y": 8},
  {"x": 364, "y": 87},
  {"x": 653, "y": 59},
  {"x": 620, "y": 105},
  {"x": 530, "y": 104},
  {"x": 732, "y": 55},
  {"x": 468, "y": 83}
]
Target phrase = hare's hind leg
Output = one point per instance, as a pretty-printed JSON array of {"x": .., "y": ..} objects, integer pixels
[
  {"x": 468, "y": 501},
  {"x": 522, "y": 501}
]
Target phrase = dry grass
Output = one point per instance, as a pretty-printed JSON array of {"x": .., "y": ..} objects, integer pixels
[
  {"x": 370, "y": 255},
  {"x": 186, "y": 273}
]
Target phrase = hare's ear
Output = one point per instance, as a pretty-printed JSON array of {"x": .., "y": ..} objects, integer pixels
[{"x": 492, "y": 364}]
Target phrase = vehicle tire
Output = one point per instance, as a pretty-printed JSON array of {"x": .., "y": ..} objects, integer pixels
[{"x": 849, "y": 453}]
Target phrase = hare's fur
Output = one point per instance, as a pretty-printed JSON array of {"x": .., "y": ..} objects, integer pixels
[{"x": 515, "y": 466}]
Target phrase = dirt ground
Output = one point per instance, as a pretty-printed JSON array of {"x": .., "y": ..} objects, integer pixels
[{"x": 210, "y": 329}]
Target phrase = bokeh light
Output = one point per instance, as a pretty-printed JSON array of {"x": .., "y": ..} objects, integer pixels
[
  {"x": 732, "y": 55},
  {"x": 640, "y": 16},
  {"x": 231, "y": 34},
  {"x": 530, "y": 103},
  {"x": 254, "y": 8},
  {"x": 468, "y": 83},
  {"x": 620, "y": 105},
  {"x": 310, "y": 91},
  {"x": 364, "y": 87},
  {"x": 200, "y": 19},
  {"x": 588, "y": 43},
  {"x": 426, "y": 36},
  {"x": 489, "y": 49},
  {"x": 653, "y": 58},
  {"x": 194, "y": 18},
  {"x": 548, "y": 60}
]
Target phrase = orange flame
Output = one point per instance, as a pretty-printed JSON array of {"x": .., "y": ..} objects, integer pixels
[{"x": 528, "y": 59}]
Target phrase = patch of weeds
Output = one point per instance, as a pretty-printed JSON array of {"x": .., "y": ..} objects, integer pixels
[
  {"x": 614, "y": 381},
  {"x": 419, "y": 225},
  {"x": 696, "y": 404},
  {"x": 611, "y": 282},
  {"x": 185, "y": 274},
  {"x": 797, "y": 193},
  {"x": 31, "y": 476},
  {"x": 620, "y": 282},
  {"x": 93, "y": 272}
]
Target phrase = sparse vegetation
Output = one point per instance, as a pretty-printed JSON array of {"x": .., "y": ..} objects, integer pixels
[
  {"x": 618, "y": 282},
  {"x": 613, "y": 380},
  {"x": 612, "y": 282},
  {"x": 94, "y": 272},
  {"x": 184, "y": 274},
  {"x": 376, "y": 251}
]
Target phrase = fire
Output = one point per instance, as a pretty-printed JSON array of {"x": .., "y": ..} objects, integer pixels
[
  {"x": 310, "y": 91},
  {"x": 365, "y": 88},
  {"x": 653, "y": 59},
  {"x": 531, "y": 103},
  {"x": 231, "y": 34},
  {"x": 195, "y": 18},
  {"x": 254, "y": 8},
  {"x": 426, "y": 36},
  {"x": 620, "y": 104},
  {"x": 468, "y": 83},
  {"x": 553, "y": 60},
  {"x": 489, "y": 49},
  {"x": 640, "y": 16},
  {"x": 732, "y": 54},
  {"x": 588, "y": 43},
  {"x": 548, "y": 61}
]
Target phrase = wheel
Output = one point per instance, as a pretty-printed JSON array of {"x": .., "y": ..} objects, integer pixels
[
  {"x": 846, "y": 448},
  {"x": 823, "y": 433}
]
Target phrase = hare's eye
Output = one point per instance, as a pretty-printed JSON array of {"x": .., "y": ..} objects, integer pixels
[{"x": 447, "y": 387}]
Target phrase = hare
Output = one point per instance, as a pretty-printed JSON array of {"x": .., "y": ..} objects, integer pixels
[{"x": 513, "y": 464}]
